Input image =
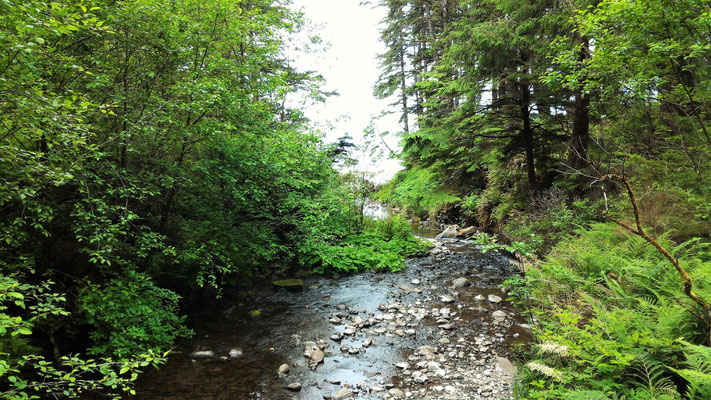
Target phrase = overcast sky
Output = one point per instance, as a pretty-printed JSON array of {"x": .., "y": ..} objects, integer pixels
[{"x": 349, "y": 64}]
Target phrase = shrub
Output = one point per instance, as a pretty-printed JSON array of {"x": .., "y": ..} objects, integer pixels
[{"x": 131, "y": 315}]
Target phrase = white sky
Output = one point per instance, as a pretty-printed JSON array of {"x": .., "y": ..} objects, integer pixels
[{"x": 349, "y": 64}]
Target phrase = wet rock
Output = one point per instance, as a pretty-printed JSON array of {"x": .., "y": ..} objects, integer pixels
[
  {"x": 294, "y": 387},
  {"x": 354, "y": 350},
  {"x": 461, "y": 282},
  {"x": 495, "y": 299},
  {"x": 446, "y": 299},
  {"x": 343, "y": 393},
  {"x": 235, "y": 353},
  {"x": 402, "y": 365},
  {"x": 337, "y": 337},
  {"x": 499, "y": 315},
  {"x": 415, "y": 282},
  {"x": 444, "y": 341},
  {"x": 395, "y": 392},
  {"x": 449, "y": 233},
  {"x": 368, "y": 342},
  {"x": 283, "y": 369},
  {"x": 467, "y": 232},
  {"x": 426, "y": 350},
  {"x": 376, "y": 389},
  {"x": 290, "y": 285},
  {"x": 314, "y": 354},
  {"x": 349, "y": 331},
  {"x": 202, "y": 354}
]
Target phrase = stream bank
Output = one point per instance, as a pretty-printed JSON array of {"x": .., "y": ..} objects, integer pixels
[{"x": 441, "y": 329}]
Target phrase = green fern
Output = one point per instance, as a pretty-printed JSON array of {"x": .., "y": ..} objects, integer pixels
[{"x": 697, "y": 372}]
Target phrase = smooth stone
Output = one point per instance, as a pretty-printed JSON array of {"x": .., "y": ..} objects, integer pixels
[
  {"x": 402, "y": 365},
  {"x": 294, "y": 387},
  {"x": 283, "y": 369},
  {"x": 446, "y": 299},
  {"x": 460, "y": 282},
  {"x": 495, "y": 299},
  {"x": 202, "y": 354},
  {"x": 235, "y": 353},
  {"x": 343, "y": 393},
  {"x": 395, "y": 392},
  {"x": 499, "y": 315},
  {"x": 368, "y": 342},
  {"x": 505, "y": 365}
]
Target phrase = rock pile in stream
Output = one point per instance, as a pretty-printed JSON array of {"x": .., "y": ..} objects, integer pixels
[{"x": 460, "y": 344}]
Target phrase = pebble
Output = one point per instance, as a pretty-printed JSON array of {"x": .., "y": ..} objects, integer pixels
[
  {"x": 446, "y": 299},
  {"x": 202, "y": 354},
  {"x": 283, "y": 369},
  {"x": 495, "y": 299},
  {"x": 461, "y": 282},
  {"x": 294, "y": 387},
  {"x": 235, "y": 353}
]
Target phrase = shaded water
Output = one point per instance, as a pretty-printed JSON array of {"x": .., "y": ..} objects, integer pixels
[{"x": 286, "y": 320}]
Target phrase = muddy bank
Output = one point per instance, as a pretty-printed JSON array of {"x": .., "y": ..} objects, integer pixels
[{"x": 411, "y": 334}]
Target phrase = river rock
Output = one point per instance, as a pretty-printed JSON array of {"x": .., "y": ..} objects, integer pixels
[
  {"x": 294, "y": 387},
  {"x": 467, "y": 232},
  {"x": 235, "y": 353},
  {"x": 402, "y": 365},
  {"x": 314, "y": 354},
  {"x": 446, "y": 299},
  {"x": 505, "y": 365},
  {"x": 368, "y": 342},
  {"x": 395, "y": 392},
  {"x": 426, "y": 351},
  {"x": 202, "y": 354},
  {"x": 461, "y": 282},
  {"x": 290, "y": 285},
  {"x": 499, "y": 315},
  {"x": 338, "y": 336},
  {"x": 449, "y": 233},
  {"x": 495, "y": 299},
  {"x": 283, "y": 369},
  {"x": 343, "y": 393}
]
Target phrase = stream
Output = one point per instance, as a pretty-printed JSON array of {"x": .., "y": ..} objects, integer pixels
[{"x": 421, "y": 333}]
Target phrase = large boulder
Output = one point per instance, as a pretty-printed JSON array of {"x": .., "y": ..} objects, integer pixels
[
  {"x": 449, "y": 233},
  {"x": 290, "y": 285}
]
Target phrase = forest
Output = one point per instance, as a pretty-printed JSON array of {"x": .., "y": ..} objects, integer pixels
[{"x": 152, "y": 161}]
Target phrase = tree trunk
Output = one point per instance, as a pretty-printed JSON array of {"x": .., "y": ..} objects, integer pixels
[
  {"x": 578, "y": 155},
  {"x": 527, "y": 135}
]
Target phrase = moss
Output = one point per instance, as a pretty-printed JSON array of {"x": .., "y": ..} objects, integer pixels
[{"x": 291, "y": 285}]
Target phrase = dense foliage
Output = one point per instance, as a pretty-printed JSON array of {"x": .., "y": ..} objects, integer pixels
[
  {"x": 613, "y": 321},
  {"x": 147, "y": 152}
]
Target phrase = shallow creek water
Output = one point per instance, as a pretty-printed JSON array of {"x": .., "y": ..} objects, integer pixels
[{"x": 401, "y": 312}]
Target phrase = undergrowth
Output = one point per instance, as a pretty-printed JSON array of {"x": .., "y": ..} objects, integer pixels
[
  {"x": 382, "y": 244},
  {"x": 612, "y": 321}
]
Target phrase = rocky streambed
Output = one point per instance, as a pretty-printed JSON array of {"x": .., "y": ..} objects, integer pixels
[{"x": 439, "y": 330}]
